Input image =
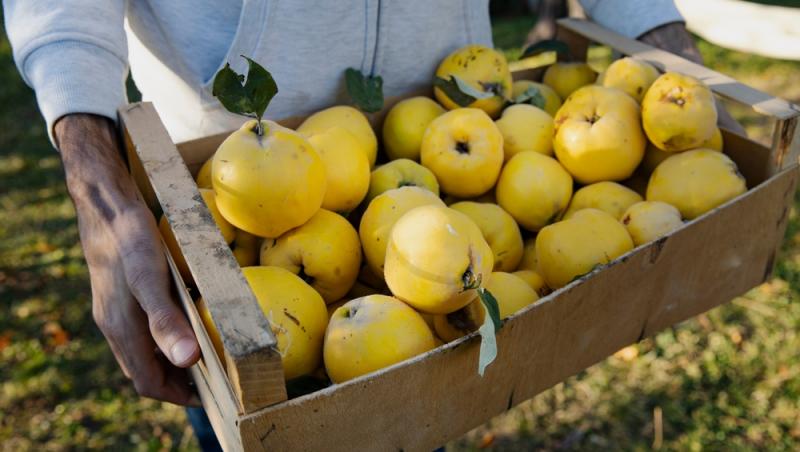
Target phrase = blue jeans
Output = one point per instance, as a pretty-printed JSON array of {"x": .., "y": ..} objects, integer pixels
[{"x": 202, "y": 429}]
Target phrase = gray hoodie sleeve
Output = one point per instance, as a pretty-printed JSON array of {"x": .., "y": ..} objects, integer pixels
[
  {"x": 632, "y": 18},
  {"x": 72, "y": 53}
]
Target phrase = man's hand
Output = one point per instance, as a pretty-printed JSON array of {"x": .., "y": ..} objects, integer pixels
[
  {"x": 675, "y": 38},
  {"x": 132, "y": 302}
]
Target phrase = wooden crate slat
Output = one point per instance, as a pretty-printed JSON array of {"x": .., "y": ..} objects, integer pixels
[
  {"x": 223, "y": 423},
  {"x": 254, "y": 365},
  {"x": 212, "y": 385},
  {"x": 785, "y": 144}
]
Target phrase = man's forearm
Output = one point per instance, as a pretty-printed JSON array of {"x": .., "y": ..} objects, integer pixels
[
  {"x": 93, "y": 163},
  {"x": 673, "y": 38}
]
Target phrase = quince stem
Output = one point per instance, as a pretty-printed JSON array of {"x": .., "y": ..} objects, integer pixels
[
  {"x": 470, "y": 280},
  {"x": 259, "y": 127}
]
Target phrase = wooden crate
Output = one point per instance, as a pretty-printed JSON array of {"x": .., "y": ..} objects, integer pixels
[{"x": 421, "y": 403}]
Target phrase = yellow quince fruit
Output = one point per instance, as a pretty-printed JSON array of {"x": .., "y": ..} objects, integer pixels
[
  {"x": 511, "y": 292},
  {"x": 436, "y": 258},
  {"x": 348, "y": 118},
  {"x": 715, "y": 143},
  {"x": 203, "y": 178},
  {"x": 499, "y": 229},
  {"x": 324, "y": 252},
  {"x": 380, "y": 217},
  {"x": 347, "y": 169},
  {"x": 646, "y": 221},
  {"x": 678, "y": 112},
  {"x": 373, "y": 332},
  {"x": 401, "y": 173},
  {"x": 630, "y": 75},
  {"x": 565, "y": 78},
  {"x": 525, "y": 128},
  {"x": 609, "y": 197},
  {"x": 464, "y": 149},
  {"x": 696, "y": 181},
  {"x": 482, "y": 68},
  {"x": 267, "y": 184},
  {"x": 405, "y": 124},
  {"x": 571, "y": 248},
  {"x": 246, "y": 248},
  {"x": 598, "y": 136},
  {"x": 296, "y": 314},
  {"x": 534, "y": 188}
]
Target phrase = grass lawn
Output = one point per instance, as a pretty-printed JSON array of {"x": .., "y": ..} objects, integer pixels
[{"x": 729, "y": 379}]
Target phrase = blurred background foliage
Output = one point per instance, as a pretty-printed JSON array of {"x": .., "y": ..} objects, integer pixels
[{"x": 726, "y": 380}]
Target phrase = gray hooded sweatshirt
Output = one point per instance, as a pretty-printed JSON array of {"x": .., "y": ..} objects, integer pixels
[{"x": 76, "y": 54}]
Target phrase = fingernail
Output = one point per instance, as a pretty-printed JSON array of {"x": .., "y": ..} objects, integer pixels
[{"x": 182, "y": 351}]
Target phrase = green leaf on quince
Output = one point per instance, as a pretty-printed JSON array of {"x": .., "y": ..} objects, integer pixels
[
  {"x": 548, "y": 45},
  {"x": 491, "y": 324},
  {"x": 245, "y": 96},
  {"x": 459, "y": 91},
  {"x": 532, "y": 96},
  {"x": 366, "y": 91}
]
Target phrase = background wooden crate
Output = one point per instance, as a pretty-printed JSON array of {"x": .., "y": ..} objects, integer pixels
[{"x": 423, "y": 402}]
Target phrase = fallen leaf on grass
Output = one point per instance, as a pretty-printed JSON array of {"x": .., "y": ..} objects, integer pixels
[
  {"x": 486, "y": 440},
  {"x": 58, "y": 336},
  {"x": 5, "y": 340}
]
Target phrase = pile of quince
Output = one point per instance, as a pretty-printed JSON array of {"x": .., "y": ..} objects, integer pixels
[{"x": 512, "y": 188}]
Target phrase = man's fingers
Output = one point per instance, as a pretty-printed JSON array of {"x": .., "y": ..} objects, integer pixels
[
  {"x": 174, "y": 336},
  {"x": 127, "y": 333},
  {"x": 148, "y": 278},
  {"x": 155, "y": 377},
  {"x": 161, "y": 380},
  {"x": 178, "y": 383}
]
